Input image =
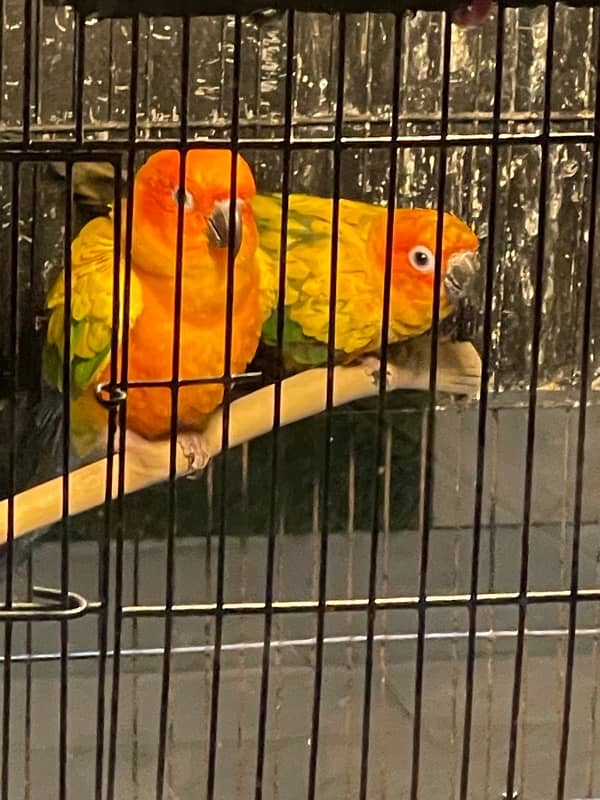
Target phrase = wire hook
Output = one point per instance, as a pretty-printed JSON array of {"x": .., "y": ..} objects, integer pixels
[
  {"x": 116, "y": 395},
  {"x": 76, "y": 606}
]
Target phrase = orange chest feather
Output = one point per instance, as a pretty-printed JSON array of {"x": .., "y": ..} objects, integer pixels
[{"x": 202, "y": 340}]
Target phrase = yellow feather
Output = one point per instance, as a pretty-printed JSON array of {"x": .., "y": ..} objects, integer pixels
[
  {"x": 80, "y": 305},
  {"x": 92, "y": 269},
  {"x": 56, "y": 328},
  {"x": 81, "y": 347},
  {"x": 359, "y": 276},
  {"x": 308, "y": 266}
]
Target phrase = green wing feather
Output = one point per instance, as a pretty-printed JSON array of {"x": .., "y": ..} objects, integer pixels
[
  {"x": 308, "y": 267},
  {"x": 91, "y": 318}
]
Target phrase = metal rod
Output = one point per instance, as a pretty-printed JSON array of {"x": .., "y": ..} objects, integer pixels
[
  {"x": 326, "y": 474},
  {"x": 220, "y": 589},
  {"x": 174, "y": 422},
  {"x": 483, "y": 409},
  {"x": 124, "y": 367},
  {"x": 379, "y": 461},
  {"x": 581, "y": 440},
  {"x": 427, "y": 499},
  {"x": 532, "y": 408},
  {"x": 105, "y": 536},
  {"x": 12, "y": 452},
  {"x": 491, "y": 635},
  {"x": 40, "y": 150},
  {"x": 273, "y": 509}
]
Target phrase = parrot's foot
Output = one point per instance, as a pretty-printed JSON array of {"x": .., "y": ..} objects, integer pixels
[
  {"x": 192, "y": 447},
  {"x": 148, "y": 454},
  {"x": 372, "y": 367}
]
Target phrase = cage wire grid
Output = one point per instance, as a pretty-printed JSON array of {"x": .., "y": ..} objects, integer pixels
[{"x": 259, "y": 628}]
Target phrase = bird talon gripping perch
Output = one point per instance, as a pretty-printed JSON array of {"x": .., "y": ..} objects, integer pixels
[
  {"x": 194, "y": 452},
  {"x": 372, "y": 367}
]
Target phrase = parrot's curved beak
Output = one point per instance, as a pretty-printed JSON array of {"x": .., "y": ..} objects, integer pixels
[
  {"x": 460, "y": 273},
  {"x": 218, "y": 225}
]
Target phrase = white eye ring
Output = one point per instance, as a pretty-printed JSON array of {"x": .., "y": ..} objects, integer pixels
[
  {"x": 184, "y": 197},
  {"x": 421, "y": 258}
]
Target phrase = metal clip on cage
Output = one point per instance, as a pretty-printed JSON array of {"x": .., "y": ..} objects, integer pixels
[{"x": 51, "y": 611}]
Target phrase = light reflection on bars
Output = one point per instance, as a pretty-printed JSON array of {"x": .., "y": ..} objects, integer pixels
[{"x": 280, "y": 644}]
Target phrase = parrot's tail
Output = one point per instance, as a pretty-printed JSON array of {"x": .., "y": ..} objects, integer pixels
[{"x": 39, "y": 454}]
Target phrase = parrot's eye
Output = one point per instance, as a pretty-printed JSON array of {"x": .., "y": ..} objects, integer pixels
[
  {"x": 183, "y": 198},
  {"x": 421, "y": 258}
]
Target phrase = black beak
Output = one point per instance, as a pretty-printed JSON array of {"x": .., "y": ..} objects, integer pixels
[
  {"x": 218, "y": 226},
  {"x": 461, "y": 271}
]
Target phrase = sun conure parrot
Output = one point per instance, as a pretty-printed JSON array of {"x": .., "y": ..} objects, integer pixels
[
  {"x": 206, "y": 209},
  {"x": 360, "y": 274}
]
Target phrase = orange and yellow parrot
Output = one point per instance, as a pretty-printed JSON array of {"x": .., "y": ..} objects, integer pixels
[
  {"x": 360, "y": 274},
  {"x": 206, "y": 209}
]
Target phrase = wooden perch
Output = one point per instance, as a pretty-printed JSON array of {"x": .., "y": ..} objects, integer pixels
[{"x": 251, "y": 416}]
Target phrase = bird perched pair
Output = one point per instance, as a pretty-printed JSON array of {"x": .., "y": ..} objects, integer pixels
[{"x": 201, "y": 325}]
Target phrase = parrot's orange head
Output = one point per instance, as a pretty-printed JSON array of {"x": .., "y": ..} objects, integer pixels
[
  {"x": 413, "y": 257},
  {"x": 206, "y": 201}
]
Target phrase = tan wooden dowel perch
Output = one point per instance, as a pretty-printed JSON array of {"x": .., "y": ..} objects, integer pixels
[{"x": 302, "y": 396}]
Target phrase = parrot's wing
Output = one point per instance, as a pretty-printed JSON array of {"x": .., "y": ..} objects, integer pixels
[
  {"x": 308, "y": 276},
  {"x": 91, "y": 314}
]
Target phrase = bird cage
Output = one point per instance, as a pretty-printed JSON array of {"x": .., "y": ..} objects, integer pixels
[{"x": 394, "y": 591}]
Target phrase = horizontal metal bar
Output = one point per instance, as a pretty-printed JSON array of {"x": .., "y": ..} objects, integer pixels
[
  {"x": 71, "y": 151},
  {"x": 79, "y": 605},
  {"x": 165, "y": 384},
  {"x": 170, "y": 8},
  {"x": 383, "y": 638},
  {"x": 62, "y": 153},
  {"x": 360, "y": 604},
  {"x": 548, "y": 399},
  {"x": 274, "y": 119},
  {"x": 76, "y": 607}
]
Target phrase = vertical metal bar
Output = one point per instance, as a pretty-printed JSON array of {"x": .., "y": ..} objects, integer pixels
[
  {"x": 37, "y": 99},
  {"x": 104, "y": 541},
  {"x": 457, "y": 615},
  {"x": 384, "y": 673},
  {"x": 483, "y": 407},
  {"x": 273, "y": 511},
  {"x": 2, "y": 54},
  {"x": 220, "y": 588},
  {"x": 12, "y": 449},
  {"x": 278, "y": 699},
  {"x": 135, "y": 720},
  {"x": 79, "y": 53},
  {"x": 27, "y": 67},
  {"x": 522, "y": 748},
  {"x": 492, "y": 444},
  {"x": 66, "y": 526},
  {"x": 581, "y": 428},
  {"x": 118, "y": 589},
  {"x": 429, "y": 432},
  {"x": 110, "y": 76},
  {"x": 532, "y": 406},
  {"x": 28, "y": 690},
  {"x": 223, "y": 66},
  {"x": 34, "y": 278},
  {"x": 379, "y": 464},
  {"x": 349, "y": 660},
  {"x": 323, "y": 549},
  {"x": 593, "y": 737},
  {"x": 174, "y": 424}
]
